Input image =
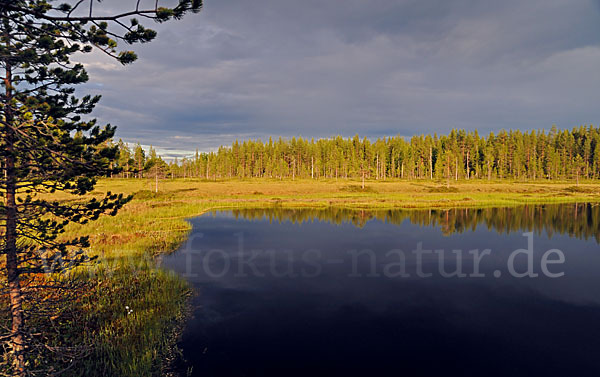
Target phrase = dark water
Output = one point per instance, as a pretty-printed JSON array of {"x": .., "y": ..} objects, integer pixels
[{"x": 343, "y": 293}]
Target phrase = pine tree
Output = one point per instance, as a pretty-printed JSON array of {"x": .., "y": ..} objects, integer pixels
[
  {"x": 124, "y": 160},
  {"x": 139, "y": 157},
  {"x": 156, "y": 167},
  {"x": 48, "y": 145}
]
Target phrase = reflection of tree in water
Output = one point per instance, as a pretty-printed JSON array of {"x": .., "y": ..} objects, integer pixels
[
  {"x": 299, "y": 216},
  {"x": 577, "y": 220}
]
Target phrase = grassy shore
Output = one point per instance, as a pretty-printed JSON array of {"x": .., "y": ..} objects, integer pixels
[{"x": 133, "y": 307}]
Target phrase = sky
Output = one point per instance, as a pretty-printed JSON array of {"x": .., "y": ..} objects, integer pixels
[{"x": 319, "y": 68}]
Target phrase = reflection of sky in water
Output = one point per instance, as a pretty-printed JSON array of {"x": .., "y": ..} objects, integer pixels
[{"x": 356, "y": 322}]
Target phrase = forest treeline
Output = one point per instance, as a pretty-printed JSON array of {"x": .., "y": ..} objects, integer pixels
[{"x": 554, "y": 154}]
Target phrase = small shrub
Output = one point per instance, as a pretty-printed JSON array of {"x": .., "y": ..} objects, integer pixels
[
  {"x": 442, "y": 189},
  {"x": 357, "y": 188},
  {"x": 145, "y": 194},
  {"x": 579, "y": 189}
]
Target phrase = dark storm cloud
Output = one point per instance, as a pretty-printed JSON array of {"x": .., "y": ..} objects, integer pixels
[{"x": 379, "y": 67}]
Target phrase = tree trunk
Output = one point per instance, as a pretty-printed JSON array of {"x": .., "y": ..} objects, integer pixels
[
  {"x": 12, "y": 263},
  {"x": 362, "y": 171},
  {"x": 587, "y": 168},
  {"x": 12, "y": 267},
  {"x": 448, "y": 171},
  {"x": 456, "y": 169},
  {"x": 430, "y": 163},
  {"x": 468, "y": 167},
  {"x": 363, "y": 179}
]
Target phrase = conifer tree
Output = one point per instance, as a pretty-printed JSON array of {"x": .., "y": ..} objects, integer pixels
[
  {"x": 139, "y": 157},
  {"x": 124, "y": 160},
  {"x": 48, "y": 144}
]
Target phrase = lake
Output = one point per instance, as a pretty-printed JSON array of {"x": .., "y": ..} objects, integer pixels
[{"x": 328, "y": 292}]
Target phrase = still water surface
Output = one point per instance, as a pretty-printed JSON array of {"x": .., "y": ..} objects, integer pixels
[{"x": 394, "y": 293}]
